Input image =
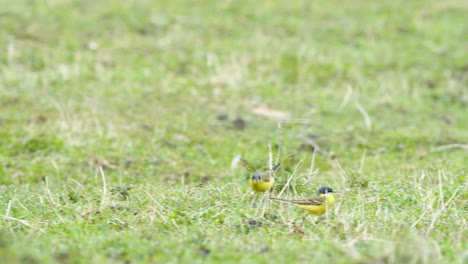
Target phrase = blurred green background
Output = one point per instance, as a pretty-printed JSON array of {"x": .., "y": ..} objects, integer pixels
[{"x": 128, "y": 130}]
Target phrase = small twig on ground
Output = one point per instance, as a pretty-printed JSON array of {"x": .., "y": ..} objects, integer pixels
[
  {"x": 270, "y": 157},
  {"x": 280, "y": 143},
  {"x": 23, "y": 222},
  {"x": 290, "y": 178},
  {"x": 315, "y": 146},
  {"x": 104, "y": 190},
  {"x": 450, "y": 146},
  {"x": 365, "y": 115}
]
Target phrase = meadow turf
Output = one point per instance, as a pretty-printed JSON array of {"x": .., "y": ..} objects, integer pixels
[{"x": 128, "y": 130}]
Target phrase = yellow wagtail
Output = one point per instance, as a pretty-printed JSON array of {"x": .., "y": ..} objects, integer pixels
[
  {"x": 317, "y": 204},
  {"x": 263, "y": 181}
]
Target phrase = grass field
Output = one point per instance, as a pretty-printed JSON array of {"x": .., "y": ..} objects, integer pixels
[{"x": 128, "y": 130}]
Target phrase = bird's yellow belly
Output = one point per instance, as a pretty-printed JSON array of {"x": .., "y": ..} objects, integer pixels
[
  {"x": 318, "y": 209},
  {"x": 262, "y": 186},
  {"x": 313, "y": 209}
]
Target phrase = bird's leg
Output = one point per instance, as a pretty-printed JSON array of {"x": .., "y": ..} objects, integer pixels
[
  {"x": 303, "y": 220},
  {"x": 255, "y": 200},
  {"x": 318, "y": 220},
  {"x": 265, "y": 202},
  {"x": 254, "y": 204}
]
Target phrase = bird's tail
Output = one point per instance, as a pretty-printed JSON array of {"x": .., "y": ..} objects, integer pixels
[
  {"x": 281, "y": 200},
  {"x": 276, "y": 167}
]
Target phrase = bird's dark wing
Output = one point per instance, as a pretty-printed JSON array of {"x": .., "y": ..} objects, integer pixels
[
  {"x": 266, "y": 175},
  {"x": 313, "y": 200}
]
